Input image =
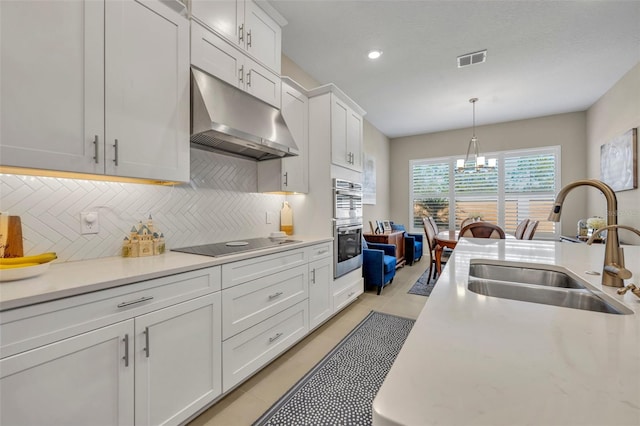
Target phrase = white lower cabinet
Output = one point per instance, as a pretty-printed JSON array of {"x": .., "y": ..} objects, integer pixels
[
  {"x": 156, "y": 362},
  {"x": 83, "y": 380},
  {"x": 247, "y": 352},
  {"x": 320, "y": 280},
  {"x": 157, "y": 352},
  {"x": 343, "y": 296},
  {"x": 177, "y": 361}
]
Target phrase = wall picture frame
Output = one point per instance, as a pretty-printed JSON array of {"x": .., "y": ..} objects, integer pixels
[{"x": 619, "y": 161}]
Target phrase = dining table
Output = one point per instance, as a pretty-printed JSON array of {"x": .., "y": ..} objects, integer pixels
[
  {"x": 444, "y": 239},
  {"x": 448, "y": 239}
]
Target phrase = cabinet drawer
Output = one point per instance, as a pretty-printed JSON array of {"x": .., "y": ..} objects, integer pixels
[
  {"x": 247, "y": 304},
  {"x": 247, "y": 352},
  {"x": 250, "y": 269},
  {"x": 347, "y": 295},
  {"x": 32, "y": 326},
  {"x": 319, "y": 251}
]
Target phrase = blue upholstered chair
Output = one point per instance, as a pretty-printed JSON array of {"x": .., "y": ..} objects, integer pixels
[
  {"x": 378, "y": 264},
  {"x": 413, "y": 244}
]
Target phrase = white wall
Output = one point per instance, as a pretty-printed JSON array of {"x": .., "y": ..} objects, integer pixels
[
  {"x": 376, "y": 145},
  {"x": 613, "y": 114},
  {"x": 566, "y": 130}
]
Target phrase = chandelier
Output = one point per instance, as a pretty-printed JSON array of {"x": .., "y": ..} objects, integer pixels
[{"x": 478, "y": 161}]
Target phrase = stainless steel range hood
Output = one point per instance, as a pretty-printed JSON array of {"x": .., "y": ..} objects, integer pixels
[{"x": 226, "y": 119}]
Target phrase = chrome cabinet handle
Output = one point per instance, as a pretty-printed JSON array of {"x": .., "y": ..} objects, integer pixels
[
  {"x": 126, "y": 350},
  {"x": 323, "y": 251},
  {"x": 249, "y": 79},
  {"x": 133, "y": 302},
  {"x": 146, "y": 341},
  {"x": 351, "y": 294},
  {"x": 241, "y": 72},
  {"x": 313, "y": 279},
  {"x": 95, "y": 148},
  {"x": 286, "y": 179},
  {"x": 115, "y": 146},
  {"x": 241, "y": 32},
  {"x": 273, "y": 296},
  {"x": 249, "y": 38},
  {"x": 274, "y": 338}
]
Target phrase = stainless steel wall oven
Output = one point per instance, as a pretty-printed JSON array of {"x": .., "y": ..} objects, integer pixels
[{"x": 347, "y": 233}]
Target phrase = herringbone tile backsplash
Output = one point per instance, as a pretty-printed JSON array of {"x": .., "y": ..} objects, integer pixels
[{"x": 220, "y": 203}]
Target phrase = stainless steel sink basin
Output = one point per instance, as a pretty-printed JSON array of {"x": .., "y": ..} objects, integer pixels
[
  {"x": 539, "y": 285},
  {"x": 521, "y": 274}
]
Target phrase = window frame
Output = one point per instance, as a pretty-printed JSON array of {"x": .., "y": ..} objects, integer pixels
[{"x": 501, "y": 196}]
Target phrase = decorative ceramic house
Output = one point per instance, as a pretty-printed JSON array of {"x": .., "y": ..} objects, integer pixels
[{"x": 143, "y": 240}]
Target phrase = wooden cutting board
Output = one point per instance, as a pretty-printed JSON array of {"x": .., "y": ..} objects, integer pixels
[{"x": 10, "y": 236}]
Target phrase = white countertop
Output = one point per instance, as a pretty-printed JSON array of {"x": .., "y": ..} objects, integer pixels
[
  {"x": 73, "y": 278},
  {"x": 477, "y": 360}
]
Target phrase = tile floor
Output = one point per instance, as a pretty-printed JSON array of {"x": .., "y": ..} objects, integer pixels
[{"x": 247, "y": 402}]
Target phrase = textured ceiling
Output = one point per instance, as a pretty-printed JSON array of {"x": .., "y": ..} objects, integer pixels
[{"x": 544, "y": 57}]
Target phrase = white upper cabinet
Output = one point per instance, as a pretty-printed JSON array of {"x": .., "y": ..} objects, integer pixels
[
  {"x": 218, "y": 57},
  {"x": 245, "y": 25},
  {"x": 90, "y": 92},
  {"x": 147, "y": 90},
  {"x": 52, "y": 85},
  {"x": 290, "y": 174},
  {"x": 341, "y": 118},
  {"x": 346, "y": 135}
]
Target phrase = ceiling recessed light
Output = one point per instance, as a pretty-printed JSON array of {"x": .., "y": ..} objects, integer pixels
[{"x": 374, "y": 54}]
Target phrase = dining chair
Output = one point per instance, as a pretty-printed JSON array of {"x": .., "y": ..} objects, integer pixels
[
  {"x": 468, "y": 220},
  {"x": 522, "y": 226},
  {"x": 482, "y": 230},
  {"x": 531, "y": 230},
  {"x": 430, "y": 231}
]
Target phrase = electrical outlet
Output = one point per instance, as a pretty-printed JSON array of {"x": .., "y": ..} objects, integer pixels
[
  {"x": 268, "y": 218},
  {"x": 89, "y": 223}
]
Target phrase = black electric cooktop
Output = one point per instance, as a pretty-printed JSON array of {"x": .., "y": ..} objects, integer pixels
[{"x": 233, "y": 247}]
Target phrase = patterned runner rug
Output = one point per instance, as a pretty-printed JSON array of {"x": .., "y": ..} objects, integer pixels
[
  {"x": 340, "y": 389},
  {"x": 423, "y": 285}
]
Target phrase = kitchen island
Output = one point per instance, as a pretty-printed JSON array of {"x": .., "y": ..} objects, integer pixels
[{"x": 472, "y": 359}]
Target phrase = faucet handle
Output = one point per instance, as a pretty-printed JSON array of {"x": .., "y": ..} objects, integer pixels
[{"x": 635, "y": 290}]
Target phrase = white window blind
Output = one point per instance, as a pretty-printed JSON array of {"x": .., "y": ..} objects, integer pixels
[
  {"x": 430, "y": 192},
  {"x": 523, "y": 185}
]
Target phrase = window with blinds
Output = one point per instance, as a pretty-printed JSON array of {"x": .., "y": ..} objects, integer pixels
[{"x": 523, "y": 185}]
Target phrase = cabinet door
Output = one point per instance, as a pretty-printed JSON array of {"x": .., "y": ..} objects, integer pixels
[
  {"x": 83, "y": 380},
  {"x": 262, "y": 83},
  {"x": 146, "y": 90},
  {"x": 51, "y": 85},
  {"x": 213, "y": 54},
  {"x": 226, "y": 17},
  {"x": 339, "y": 118},
  {"x": 320, "y": 295},
  {"x": 354, "y": 139},
  {"x": 178, "y": 360},
  {"x": 295, "y": 110},
  {"x": 263, "y": 37},
  {"x": 290, "y": 174}
]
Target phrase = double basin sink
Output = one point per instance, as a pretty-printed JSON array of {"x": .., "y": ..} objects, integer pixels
[{"x": 538, "y": 284}]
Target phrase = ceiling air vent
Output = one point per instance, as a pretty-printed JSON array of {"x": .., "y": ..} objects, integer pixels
[{"x": 472, "y": 58}]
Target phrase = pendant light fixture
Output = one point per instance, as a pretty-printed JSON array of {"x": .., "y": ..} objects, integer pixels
[{"x": 478, "y": 160}]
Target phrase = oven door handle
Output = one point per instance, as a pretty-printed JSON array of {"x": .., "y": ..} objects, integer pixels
[{"x": 346, "y": 229}]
